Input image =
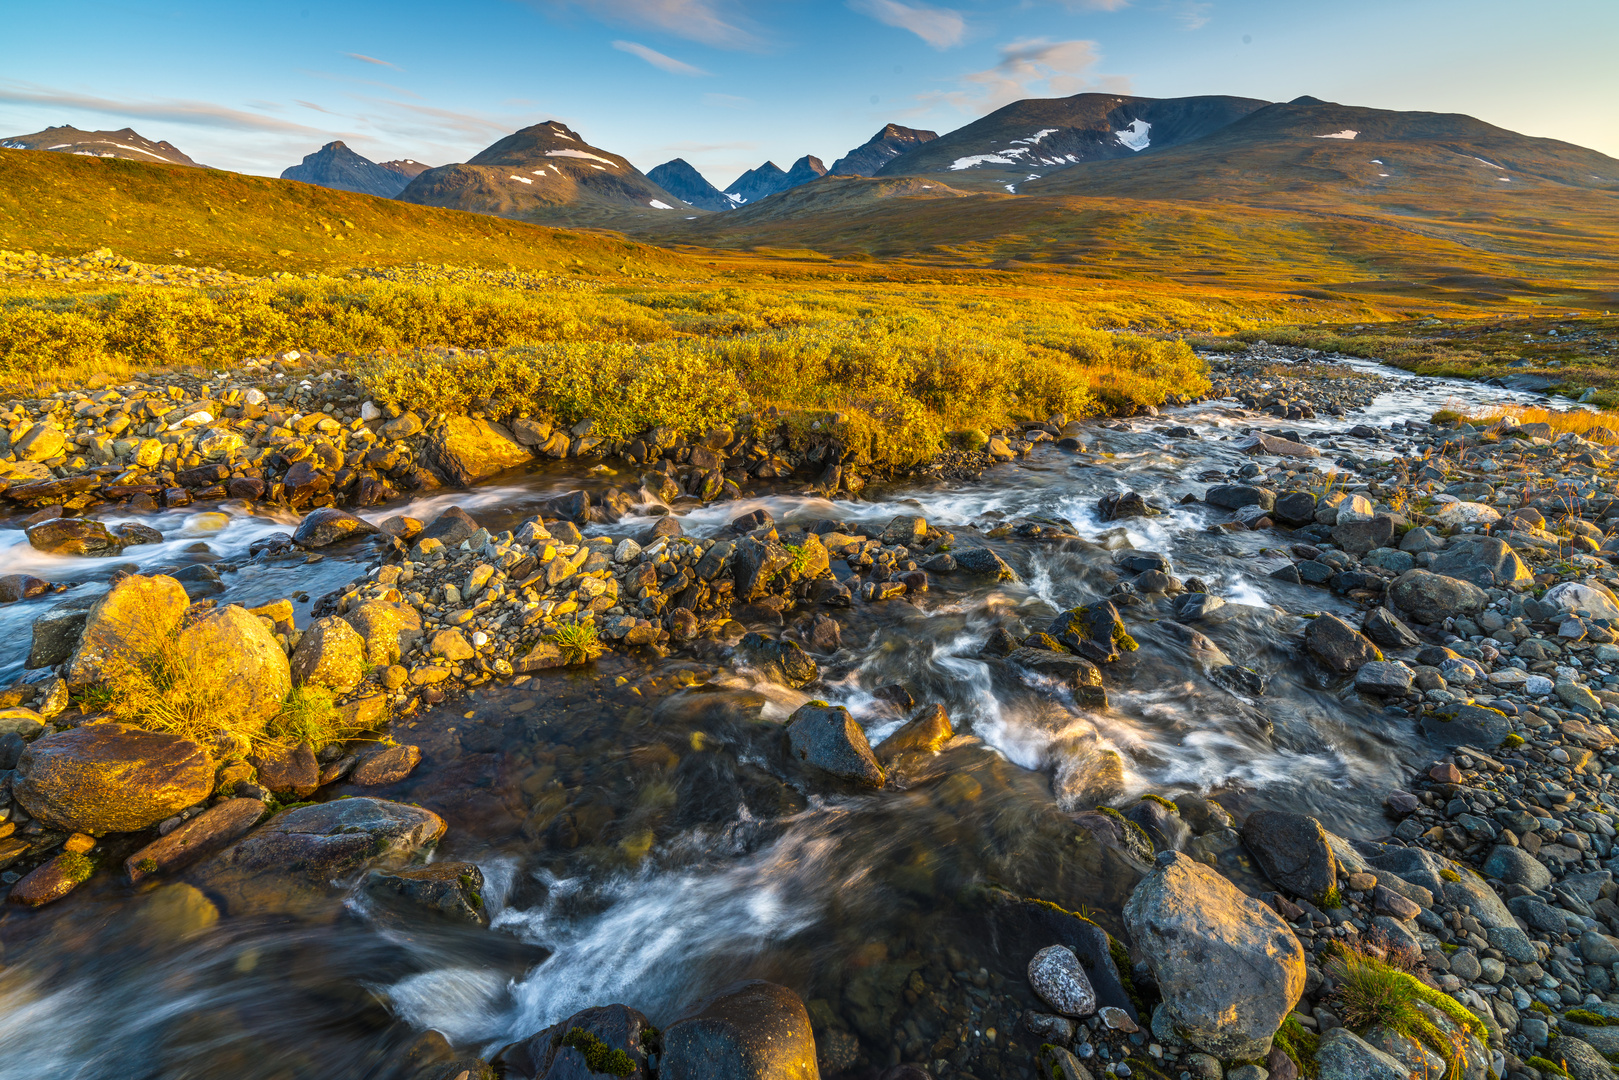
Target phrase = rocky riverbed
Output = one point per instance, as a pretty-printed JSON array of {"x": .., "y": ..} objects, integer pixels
[{"x": 1266, "y": 736}]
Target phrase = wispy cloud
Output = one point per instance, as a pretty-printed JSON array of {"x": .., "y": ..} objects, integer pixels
[
  {"x": 1095, "y": 5},
  {"x": 312, "y": 105},
  {"x": 939, "y": 27},
  {"x": 1193, "y": 14},
  {"x": 1033, "y": 67},
  {"x": 726, "y": 101},
  {"x": 174, "y": 110},
  {"x": 658, "y": 59},
  {"x": 720, "y": 23},
  {"x": 400, "y": 90},
  {"x": 364, "y": 59}
]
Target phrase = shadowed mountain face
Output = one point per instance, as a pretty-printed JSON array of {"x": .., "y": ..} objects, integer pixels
[
  {"x": 404, "y": 167},
  {"x": 679, "y": 179},
  {"x": 541, "y": 172},
  {"x": 768, "y": 179},
  {"x": 1035, "y": 137},
  {"x": 879, "y": 150},
  {"x": 1310, "y": 153},
  {"x": 123, "y": 143},
  {"x": 336, "y": 166}
]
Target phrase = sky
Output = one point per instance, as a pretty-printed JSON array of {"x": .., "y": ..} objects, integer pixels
[{"x": 727, "y": 84}]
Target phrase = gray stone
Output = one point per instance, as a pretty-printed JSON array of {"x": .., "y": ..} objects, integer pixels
[
  {"x": 1431, "y": 598},
  {"x": 1513, "y": 943},
  {"x": 1338, "y": 646},
  {"x": 1425, "y": 869},
  {"x": 1236, "y": 496},
  {"x": 1293, "y": 852},
  {"x": 1383, "y": 677},
  {"x": 828, "y": 738},
  {"x": 1343, "y": 1055},
  {"x": 1582, "y": 1060},
  {"x": 1599, "y": 949},
  {"x": 1057, "y": 979},
  {"x": 1515, "y": 866},
  {"x": 1487, "y": 562}
]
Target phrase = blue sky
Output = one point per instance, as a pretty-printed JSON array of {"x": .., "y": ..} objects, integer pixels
[{"x": 727, "y": 85}]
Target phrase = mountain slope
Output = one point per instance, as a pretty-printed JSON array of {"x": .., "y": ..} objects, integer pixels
[
  {"x": 405, "y": 167},
  {"x": 768, "y": 179},
  {"x": 1034, "y": 137},
  {"x": 123, "y": 143},
  {"x": 679, "y": 179},
  {"x": 546, "y": 171},
  {"x": 804, "y": 170},
  {"x": 888, "y": 144},
  {"x": 336, "y": 166}
]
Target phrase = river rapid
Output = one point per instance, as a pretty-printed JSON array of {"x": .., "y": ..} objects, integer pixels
[{"x": 639, "y": 841}]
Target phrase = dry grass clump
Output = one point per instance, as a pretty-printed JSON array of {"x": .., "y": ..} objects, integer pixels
[
  {"x": 1371, "y": 992},
  {"x": 1597, "y": 426}
]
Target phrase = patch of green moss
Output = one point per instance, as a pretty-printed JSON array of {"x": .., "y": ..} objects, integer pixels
[
  {"x": 1589, "y": 1018},
  {"x": 1300, "y": 1044},
  {"x": 1161, "y": 801},
  {"x": 1512, "y": 741},
  {"x": 599, "y": 1057},
  {"x": 75, "y": 867},
  {"x": 1448, "y": 947},
  {"x": 147, "y": 865},
  {"x": 1140, "y": 1066},
  {"x": 1540, "y": 1007},
  {"x": 1127, "y": 825},
  {"x": 1330, "y": 899},
  {"x": 1543, "y": 1066},
  {"x": 1450, "y": 875}
]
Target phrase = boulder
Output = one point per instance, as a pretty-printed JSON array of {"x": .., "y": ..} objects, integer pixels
[
  {"x": 388, "y": 765},
  {"x": 389, "y": 630},
  {"x": 328, "y": 525},
  {"x": 448, "y": 890},
  {"x": 1095, "y": 631},
  {"x": 1384, "y": 677},
  {"x": 1515, "y": 866},
  {"x": 1431, "y": 598},
  {"x": 924, "y": 733},
  {"x": 1466, "y": 725},
  {"x": 1079, "y": 675},
  {"x": 1583, "y": 1061},
  {"x": 1456, "y": 514},
  {"x": 57, "y": 631},
  {"x": 123, "y": 624},
  {"x": 1229, "y": 969},
  {"x": 1237, "y": 496},
  {"x": 220, "y": 825},
  {"x": 1487, "y": 562},
  {"x": 1434, "y": 873},
  {"x": 451, "y": 527},
  {"x": 984, "y": 562},
  {"x": 1056, "y": 977},
  {"x": 1293, "y": 851},
  {"x": 778, "y": 660},
  {"x": 1123, "y": 504},
  {"x": 1262, "y": 444},
  {"x": 748, "y": 1031},
  {"x": 14, "y": 587},
  {"x": 1360, "y": 537},
  {"x": 73, "y": 536},
  {"x": 1338, "y": 646},
  {"x": 286, "y": 770},
  {"x": 1343, "y": 1055},
  {"x": 465, "y": 450},
  {"x": 329, "y": 654},
  {"x": 828, "y": 738},
  {"x": 755, "y": 563},
  {"x": 546, "y": 1056},
  {"x": 1573, "y": 597},
  {"x": 109, "y": 778},
  {"x": 233, "y": 644},
  {"x": 1387, "y": 631},
  {"x": 1162, "y": 823},
  {"x": 1294, "y": 509}
]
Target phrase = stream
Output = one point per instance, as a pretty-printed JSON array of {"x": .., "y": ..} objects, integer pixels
[{"x": 641, "y": 841}]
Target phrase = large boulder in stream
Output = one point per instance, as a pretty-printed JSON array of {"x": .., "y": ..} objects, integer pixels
[
  {"x": 566, "y": 1051},
  {"x": 73, "y": 536},
  {"x": 1229, "y": 969},
  {"x": 1431, "y": 598},
  {"x": 233, "y": 644},
  {"x": 465, "y": 450},
  {"x": 778, "y": 659},
  {"x": 328, "y": 525},
  {"x": 1339, "y": 646},
  {"x": 123, "y": 625},
  {"x": 289, "y": 861},
  {"x": 1293, "y": 852},
  {"x": 748, "y": 1031},
  {"x": 828, "y": 738},
  {"x": 109, "y": 778}
]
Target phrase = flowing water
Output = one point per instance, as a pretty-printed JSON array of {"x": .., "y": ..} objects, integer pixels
[{"x": 644, "y": 838}]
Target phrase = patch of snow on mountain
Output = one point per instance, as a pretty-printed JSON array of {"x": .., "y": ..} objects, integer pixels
[
  {"x": 979, "y": 159},
  {"x": 1036, "y": 137},
  {"x": 138, "y": 150},
  {"x": 598, "y": 167},
  {"x": 1377, "y": 161},
  {"x": 579, "y": 154},
  {"x": 1491, "y": 164},
  {"x": 59, "y": 146},
  {"x": 9, "y": 145},
  {"x": 1504, "y": 179},
  {"x": 1012, "y": 188},
  {"x": 659, "y": 204},
  {"x": 522, "y": 179},
  {"x": 1382, "y": 174},
  {"x": 1344, "y": 134},
  {"x": 1138, "y": 136}
]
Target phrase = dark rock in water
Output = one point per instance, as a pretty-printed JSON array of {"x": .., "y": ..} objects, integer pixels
[
  {"x": 896, "y": 695},
  {"x": 14, "y": 587},
  {"x": 779, "y": 660},
  {"x": 328, "y": 525},
  {"x": 1294, "y": 509},
  {"x": 553, "y": 1055},
  {"x": 1118, "y": 832},
  {"x": 1431, "y": 598},
  {"x": 828, "y": 738},
  {"x": 1139, "y": 562},
  {"x": 924, "y": 733},
  {"x": 905, "y": 529},
  {"x": 1469, "y": 725},
  {"x": 1193, "y": 606},
  {"x": 756, "y": 563},
  {"x": 748, "y": 1031},
  {"x": 58, "y": 629},
  {"x": 999, "y": 643},
  {"x": 73, "y": 536},
  {"x": 451, "y": 527},
  {"x": 1237, "y": 496},
  {"x": 1095, "y": 631},
  {"x": 1385, "y": 630},
  {"x": 572, "y": 506},
  {"x": 1242, "y": 680},
  {"x": 1359, "y": 537},
  {"x": 199, "y": 580},
  {"x": 286, "y": 770},
  {"x": 1161, "y": 823},
  {"x": 984, "y": 561},
  {"x": 133, "y": 533},
  {"x": 753, "y": 519},
  {"x": 450, "y": 890},
  {"x": 1021, "y": 927},
  {"x": 1078, "y": 674},
  {"x": 1288, "y": 573},
  {"x": 221, "y": 824},
  {"x": 102, "y": 778},
  {"x": 1338, "y": 646},
  {"x": 1123, "y": 504},
  {"x": 1293, "y": 852}
]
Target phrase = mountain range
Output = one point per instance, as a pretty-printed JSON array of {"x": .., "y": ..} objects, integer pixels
[
  {"x": 123, "y": 143},
  {"x": 336, "y": 166}
]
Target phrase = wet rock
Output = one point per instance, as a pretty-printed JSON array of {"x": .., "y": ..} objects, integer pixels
[
  {"x": 1079, "y": 675},
  {"x": 231, "y": 640},
  {"x": 1466, "y": 725},
  {"x": 56, "y": 632},
  {"x": 14, "y": 587},
  {"x": 451, "y": 527},
  {"x": 1121, "y": 505},
  {"x": 1516, "y": 866},
  {"x": 1295, "y": 508},
  {"x": 1293, "y": 852},
  {"x": 105, "y": 778},
  {"x": 1271, "y": 445},
  {"x": 286, "y": 770},
  {"x": 210, "y": 831},
  {"x": 73, "y": 536},
  {"x": 778, "y": 660},
  {"x": 388, "y": 765},
  {"x": 1095, "y": 631},
  {"x": 828, "y": 738},
  {"x": 1191, "y": 607},
  {"x": 1486, "y": 562},
  {"x": 1389, "y": 632},
  {"x": 1383, "y": 677},
  {"x": 1343, "y": 1055},
  {"x": 448, "y": 890},
  {"x": 389, "y": 630},
  {"x": 1056, "y": 977},
  {"x": 1431, "y": 598},
  {"x": 465, "y": 450},
  {"x": 24, "y": 723},
  {"x": 924, "y": 733},
  {"x": 120, "y": 627},
  {"x": 1161, "y": 822},
  {"x": 328, "y": 525},
  {"x": 1237, "y": 496},
  {"x": 755, "y": 563},
  {"x": 199, "y": 580},
  {"x": 906, "y": 529},
  {"x": 1360, "y": 537},
  {"x": 748, "y": 1031},
  {"x": 1227, "y": 966},
  {"x": 1338, "y": 646},
  {"x": 51, "y": 880},
  {"x": 984, "y": 562},
  {"x": 329, "y": 654}
]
